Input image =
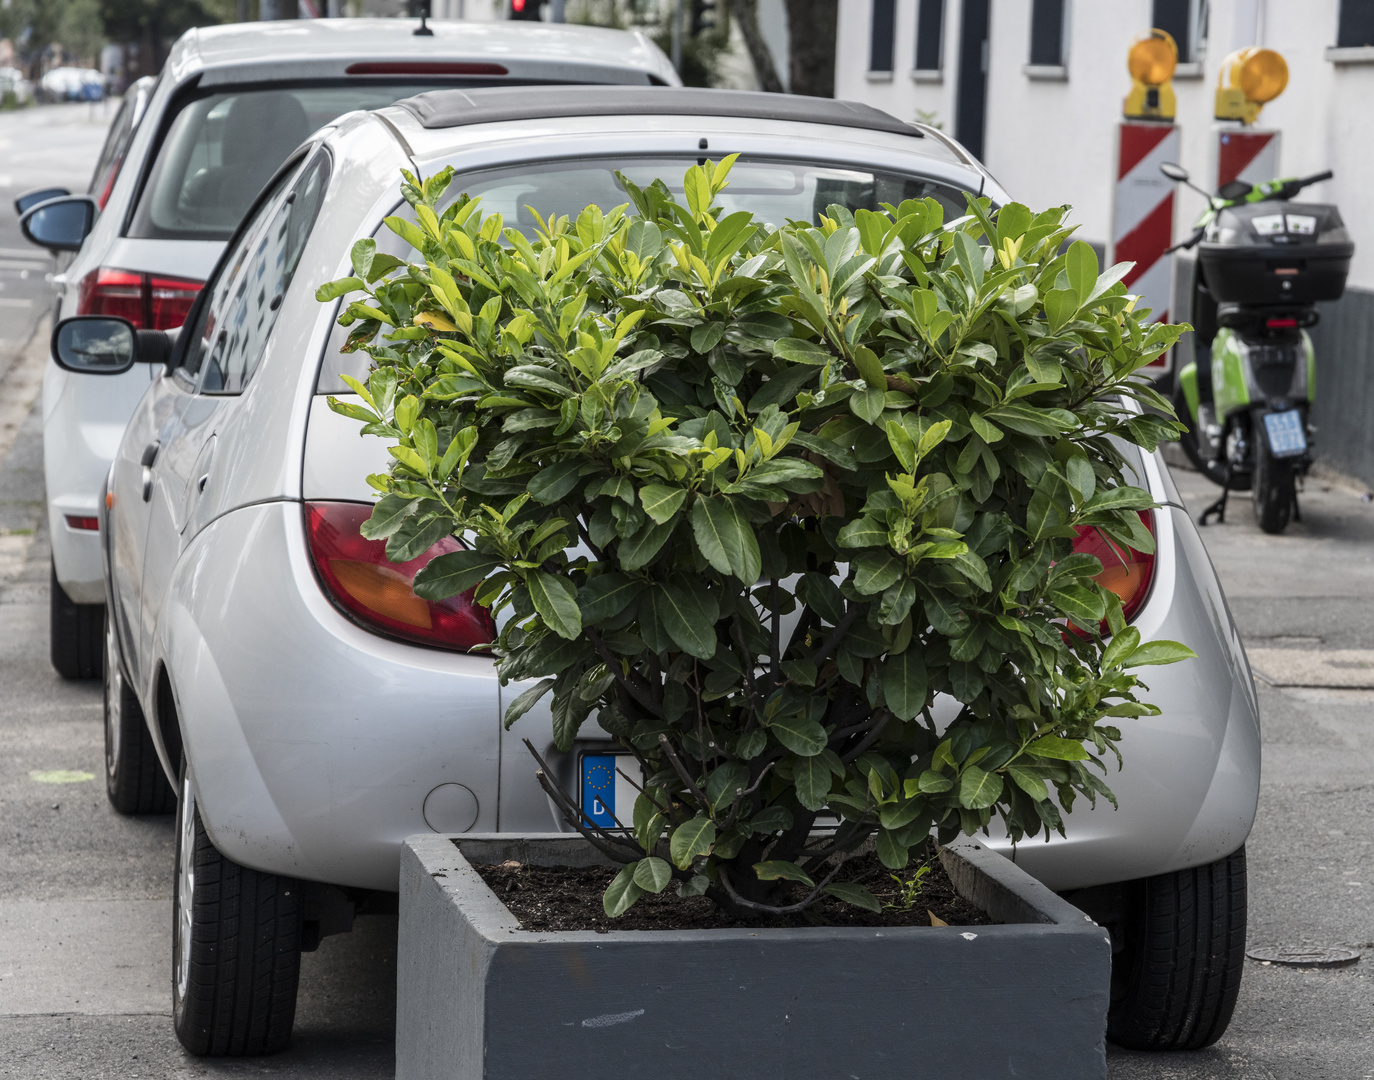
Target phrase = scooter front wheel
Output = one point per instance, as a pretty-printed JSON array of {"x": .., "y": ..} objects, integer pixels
[
  {"x": 1214, "y": 470},
  {"x": 1274, "y": 492}
]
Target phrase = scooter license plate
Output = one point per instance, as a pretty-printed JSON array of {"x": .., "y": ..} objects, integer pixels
[{"x": 1286, "y": 437}]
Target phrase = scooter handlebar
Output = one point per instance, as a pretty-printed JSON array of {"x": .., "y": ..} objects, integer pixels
[{"x": 1316, "y": 178}]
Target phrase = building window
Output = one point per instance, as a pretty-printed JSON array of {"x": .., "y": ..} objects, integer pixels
[
  {"x": 1047, "y": 33},
  {"x": 880, "y": 39},
  {"x": 930, "y": 27},
  {"x": 1186, "y": 22},
  {"x": 1355, "y": 25}
]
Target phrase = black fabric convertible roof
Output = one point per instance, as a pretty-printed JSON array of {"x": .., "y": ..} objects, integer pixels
[{"x": 457, "y": 108}]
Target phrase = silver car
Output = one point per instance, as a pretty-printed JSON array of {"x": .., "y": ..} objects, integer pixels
[
  {"x": 190, "y": 155},
  {"x": 312, "y": 711}
]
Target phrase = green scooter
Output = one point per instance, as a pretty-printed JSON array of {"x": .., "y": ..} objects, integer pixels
[{"x": 1263, "y": 264}]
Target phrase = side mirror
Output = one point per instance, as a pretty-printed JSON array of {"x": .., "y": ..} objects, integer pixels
[
  {"x": 60, "y": 224},
  {"x": 98, "y": 345},
  {"x": 1174, "y": 172},
  {"x": 30, "y": 199}
]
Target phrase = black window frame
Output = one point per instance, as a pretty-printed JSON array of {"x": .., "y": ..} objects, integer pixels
[
  {"x": 1186, "y": 22},
  {"x": 929, "y": 48},
  {"x": 1354, "y": 24},
  {"x": 882, "y": 36},
  {"x": 1049, "y": 33}
]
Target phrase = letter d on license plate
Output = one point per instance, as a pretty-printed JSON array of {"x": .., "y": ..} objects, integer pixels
[
  {"x": 606, "y": 793},
  {"x": 1286, "y": 437}
]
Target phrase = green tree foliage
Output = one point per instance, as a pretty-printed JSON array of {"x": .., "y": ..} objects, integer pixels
[
  {"x": 154, "y": 25},
  {"x": 752, "y": 497}
]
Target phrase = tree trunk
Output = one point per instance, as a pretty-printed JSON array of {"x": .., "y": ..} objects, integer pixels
[
  {"x": 747, "y": 15},
  {"x": 811, "y": 29}
]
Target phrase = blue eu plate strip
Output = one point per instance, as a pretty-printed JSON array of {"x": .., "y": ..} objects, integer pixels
[{"x": 598, "y": 789}]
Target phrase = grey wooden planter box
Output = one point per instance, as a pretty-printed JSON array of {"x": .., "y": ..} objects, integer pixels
[{"x": 478, "y": 997}]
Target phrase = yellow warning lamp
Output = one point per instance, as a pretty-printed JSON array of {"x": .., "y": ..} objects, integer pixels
[
  {"x": 1151, "y": 62},
  {"x": 1249, "y": 79}
]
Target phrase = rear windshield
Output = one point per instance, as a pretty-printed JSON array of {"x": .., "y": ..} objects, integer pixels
[
  {"x": 222, "y": 148},
  {"x": 776, "y": 191}
]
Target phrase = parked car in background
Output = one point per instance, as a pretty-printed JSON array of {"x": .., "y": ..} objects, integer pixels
[
  {"x": 233, "y": 101},
  {"x": 15, "y": 90},
  {"x": 72, "y": 84},
  {"x": 313, "y": 711}
]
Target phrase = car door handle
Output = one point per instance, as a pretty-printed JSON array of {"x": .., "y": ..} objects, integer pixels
[{"x": 149, "y": 456}]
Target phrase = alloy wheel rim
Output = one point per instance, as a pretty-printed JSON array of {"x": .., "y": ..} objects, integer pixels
[
  {"x": 114, "y": 684},
  {"x": 186, "y": 885}
]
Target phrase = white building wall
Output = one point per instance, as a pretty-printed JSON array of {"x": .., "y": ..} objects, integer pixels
[{"x": 1052, "y": 140}]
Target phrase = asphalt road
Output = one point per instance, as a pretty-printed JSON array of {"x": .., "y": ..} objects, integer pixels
[
  {"x": 39, "y": 147},
  {"x": 85, "y": 895}
]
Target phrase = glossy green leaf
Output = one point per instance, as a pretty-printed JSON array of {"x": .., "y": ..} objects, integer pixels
[
  {"x": 726, "y": 539},
  {"x": 652, "y": 874},
  {"x": 622, "y": 892},
  {"x": 555, "y": 598},
  {"x": 690, "y": 839},
  {"x": 782, "y": 871}
]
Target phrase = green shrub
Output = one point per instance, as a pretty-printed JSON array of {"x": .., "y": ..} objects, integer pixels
[{"x": 752, "y": 497}]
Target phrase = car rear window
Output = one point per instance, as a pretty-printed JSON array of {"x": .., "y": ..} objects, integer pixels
[
  {"x": 221, "y": 148},
  {"x": 776, "y": 191}
]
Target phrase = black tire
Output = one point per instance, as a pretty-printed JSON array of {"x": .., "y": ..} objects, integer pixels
[
  {"x": 1174, "y": 984},
  {"x": 236, "y": 948},
  {"x": 134, "y": 780},
  {"x": 1275, "y": 490},
  {"x": 76, "y": 635},
  {"x": 1215, "y": 471}
]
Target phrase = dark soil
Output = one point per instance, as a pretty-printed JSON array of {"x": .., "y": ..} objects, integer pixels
[{"x": 569, "y": 898}]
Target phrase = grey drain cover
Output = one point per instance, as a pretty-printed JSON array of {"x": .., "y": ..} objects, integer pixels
[{"x": 1304, "y": 956}]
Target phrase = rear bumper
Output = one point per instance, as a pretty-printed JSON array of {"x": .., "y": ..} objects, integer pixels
[
  {"x": 1189, "y": 786},
  {"x": 313, "y": 743},
  {"x": 84, "y": 417}
]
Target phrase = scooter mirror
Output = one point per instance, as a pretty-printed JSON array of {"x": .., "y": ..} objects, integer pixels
[{"x": 1174, "y": 172}]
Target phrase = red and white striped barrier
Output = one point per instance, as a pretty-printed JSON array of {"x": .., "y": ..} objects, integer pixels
[
  {"x": 1143, "y": 211},
  {"x": 1250, "y": 155}
]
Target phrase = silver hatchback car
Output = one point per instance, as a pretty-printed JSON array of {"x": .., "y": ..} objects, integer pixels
[{"x": 267, "y": 660}]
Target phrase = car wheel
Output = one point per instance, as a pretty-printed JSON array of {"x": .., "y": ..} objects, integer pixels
[
  {"x": 1175, "y": 981},
  {"x": 236, "y": 947},
  {"x": 134, "y": 780},
  {"x": 76, "y": 634}
]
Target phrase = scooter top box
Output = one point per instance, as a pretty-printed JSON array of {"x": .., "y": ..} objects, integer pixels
[{"x": 1276, "y": 252}]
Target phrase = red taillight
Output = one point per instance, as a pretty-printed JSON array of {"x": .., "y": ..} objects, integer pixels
[
  {"x": 1126, "y": 572},
  {"x": 357, "y": 573},
  {"x": 1280, "y": 324},
  {"x": 425, "y": 67},
  {"x": 170, "y": 300},
  {"x": 149, "y": 301},
  {"x": 75, "y": 521}
]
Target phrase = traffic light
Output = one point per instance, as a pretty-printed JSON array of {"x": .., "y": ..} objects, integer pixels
[
  {"x": 703, "y": 16},
  {"x": 1151, "y": 62},
  {"x": 527, "y": 10},
  {"x": 1249, "y": 79}
]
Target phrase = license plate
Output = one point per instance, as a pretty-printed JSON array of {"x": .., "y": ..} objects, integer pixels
[
  {"x": 1286, "y": 437},
  {"x": 607, "y": 793}
]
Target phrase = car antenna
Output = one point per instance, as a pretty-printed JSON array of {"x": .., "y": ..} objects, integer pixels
[{"x": 422, "y": 30}]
